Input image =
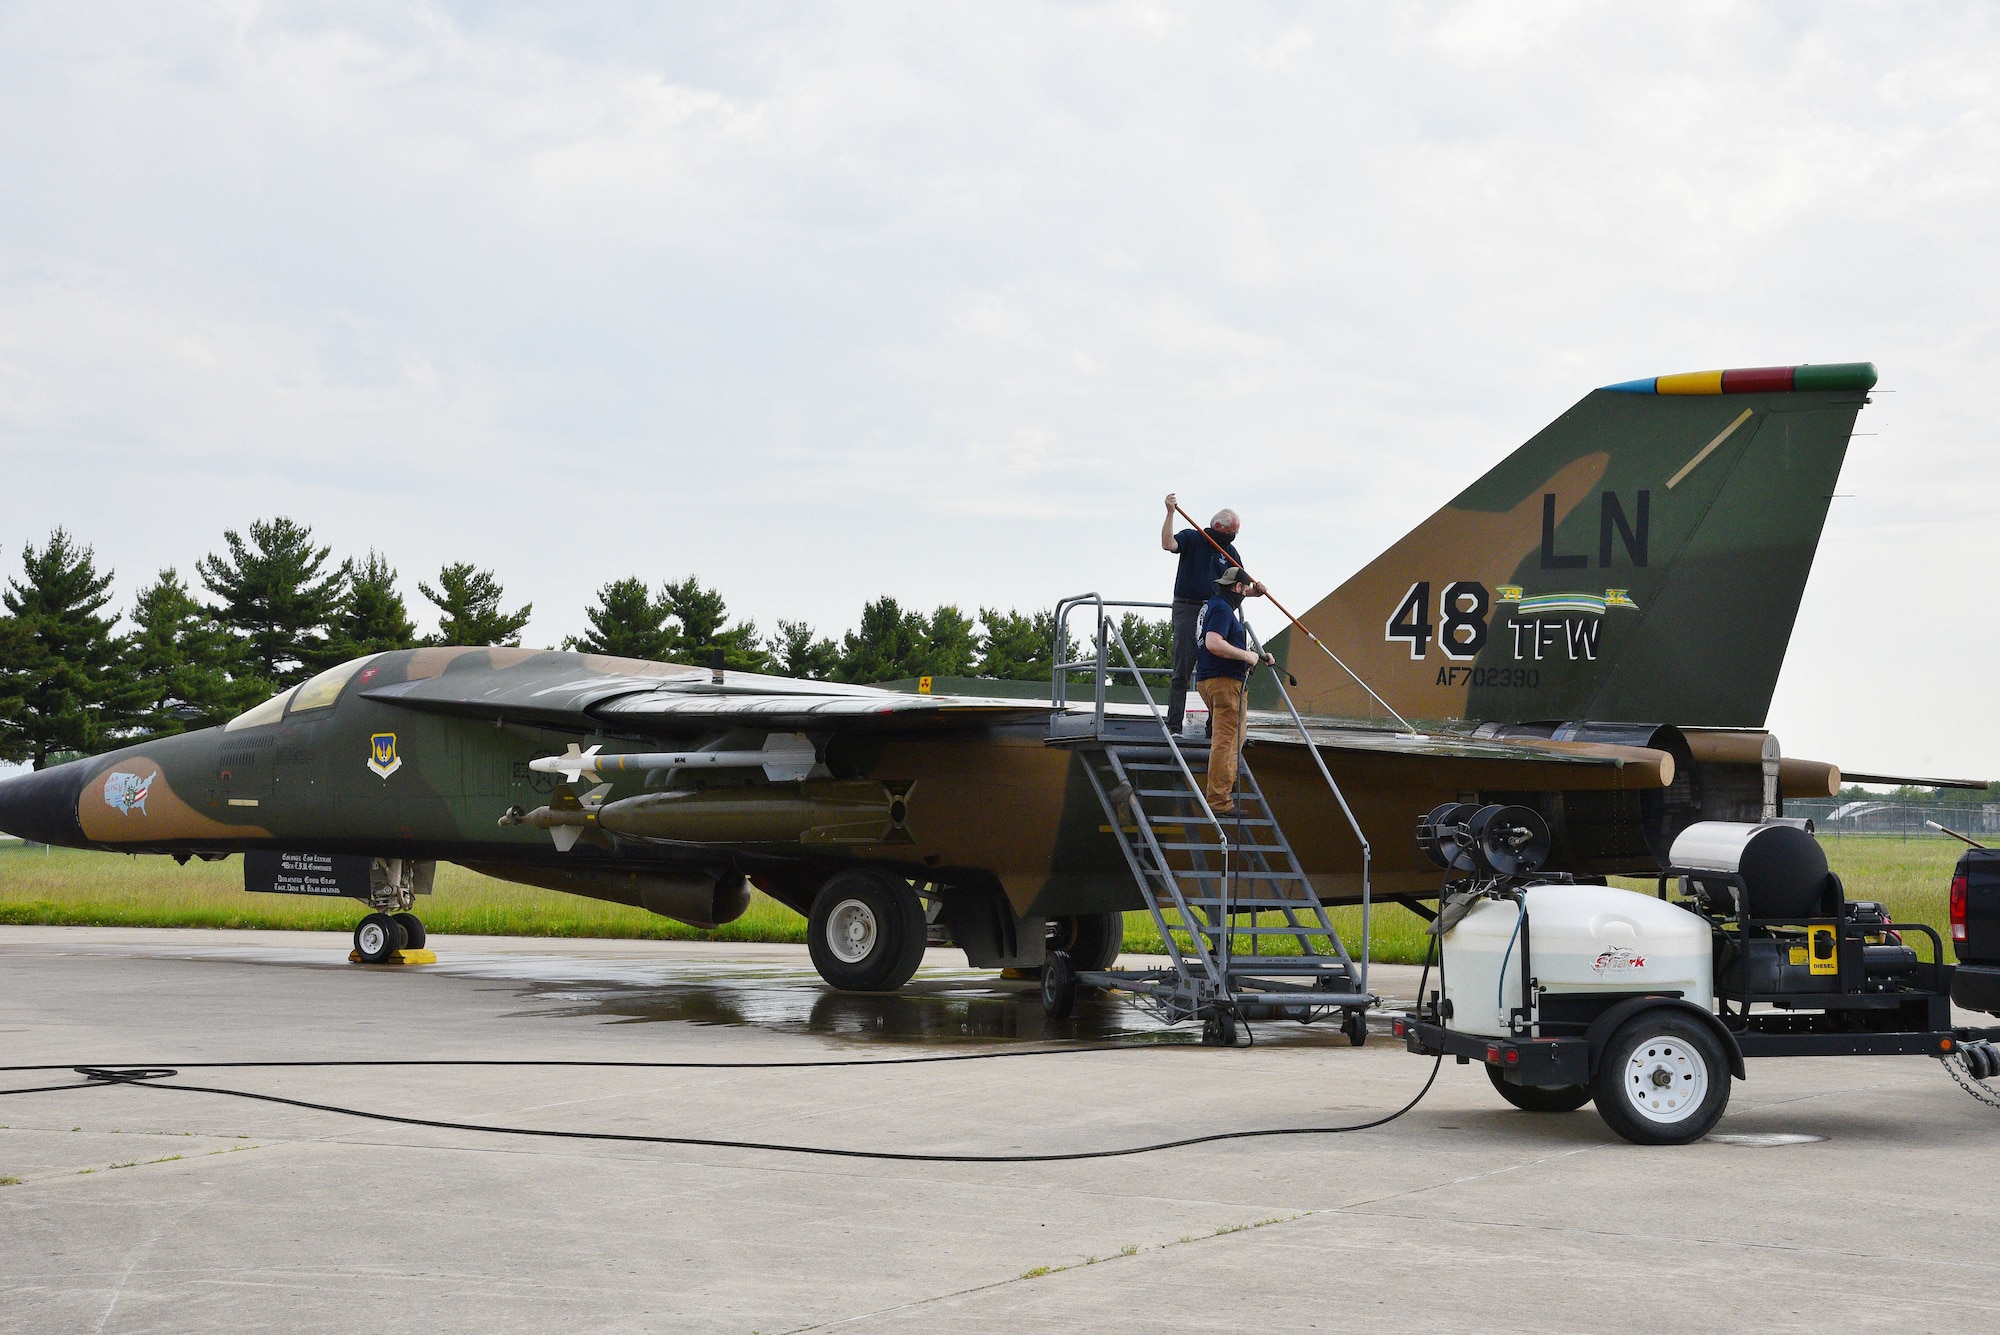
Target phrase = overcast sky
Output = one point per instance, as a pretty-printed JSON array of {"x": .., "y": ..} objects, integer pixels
[{"x": 824, "y": 302}]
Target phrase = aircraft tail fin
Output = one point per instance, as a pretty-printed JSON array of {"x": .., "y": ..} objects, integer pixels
[{"x": 1641, "y": 559}]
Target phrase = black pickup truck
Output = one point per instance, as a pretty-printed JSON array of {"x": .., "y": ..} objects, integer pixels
[{"x": 1975, "y": 930}]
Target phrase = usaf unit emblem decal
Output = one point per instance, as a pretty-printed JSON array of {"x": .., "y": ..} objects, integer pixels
[{"x": 383, "y": 758}]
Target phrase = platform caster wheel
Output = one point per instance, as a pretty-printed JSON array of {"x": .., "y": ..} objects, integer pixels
[
  {"x": 1058, "y": 987},
  {"x": 378, "y": 938},
  {"x": 413, "y": 930},
  {"x": 1355, "y": 1025},
  {"x": 1219, "y": 1031}
]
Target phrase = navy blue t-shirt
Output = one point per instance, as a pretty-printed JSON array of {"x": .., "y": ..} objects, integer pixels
[
  {"x": 1221, "y": 618},
  {"x": 1201, "y": 564}
]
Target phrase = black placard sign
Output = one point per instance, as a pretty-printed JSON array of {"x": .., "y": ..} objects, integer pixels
[{"x": 306, "y": 874}]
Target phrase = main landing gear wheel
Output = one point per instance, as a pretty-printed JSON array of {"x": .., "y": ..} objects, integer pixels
[
  {"x": 378, "y": 938},
  {"x": 1091, "y": 940},
  {"x": 1662, "y": 1079},
  {"x": 866, "y": 931},
  {"x": 413, "y": 930},
  {"x": 1058, "y": 987},
  {"x": 1539, "y": 1098},
  {"x": 1355, "y": 1025}
]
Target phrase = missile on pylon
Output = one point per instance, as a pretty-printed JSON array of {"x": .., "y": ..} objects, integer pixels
[
  {"x": 784, "y": 757},
  {"x": 814, "y": 812},
  {"x": 567, "y": 817}
]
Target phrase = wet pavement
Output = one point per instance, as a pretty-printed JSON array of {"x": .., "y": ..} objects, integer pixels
[{"x": 1844, "y": 1192}]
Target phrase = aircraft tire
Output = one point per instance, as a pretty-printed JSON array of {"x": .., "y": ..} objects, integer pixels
[
  {"x": 1091, "y": 940},
  {"x": 866, "y": 931},
  {"x": 378, "y": 938},
  {"x": 1058, "y": 987},
  {"x": 413, "y": 930}
]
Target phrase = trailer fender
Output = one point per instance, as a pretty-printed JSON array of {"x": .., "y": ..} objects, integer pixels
[{"x": 1604, "y": 1026}]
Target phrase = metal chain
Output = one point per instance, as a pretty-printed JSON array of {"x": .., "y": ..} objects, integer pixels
[{"x": 1955, "y": 1064}]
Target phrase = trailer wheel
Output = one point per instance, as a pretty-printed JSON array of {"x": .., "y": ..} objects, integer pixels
[
  {"x": 1662, "y": 1079},
  {"x": 866, "y": 931},
  {"x": 1538, "y": 1098}
]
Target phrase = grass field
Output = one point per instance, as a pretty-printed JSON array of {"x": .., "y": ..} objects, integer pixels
[{"x": 67, "y": 887}]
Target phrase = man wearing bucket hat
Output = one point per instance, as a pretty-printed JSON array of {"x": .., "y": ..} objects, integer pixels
[{"x": 1223, "y": 660}]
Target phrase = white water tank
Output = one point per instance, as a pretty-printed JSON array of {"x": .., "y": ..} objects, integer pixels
[{"x": 1582, "y": 938}]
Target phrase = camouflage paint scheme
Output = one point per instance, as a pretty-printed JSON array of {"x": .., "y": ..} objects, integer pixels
[{"x": 1697, "y": 515}]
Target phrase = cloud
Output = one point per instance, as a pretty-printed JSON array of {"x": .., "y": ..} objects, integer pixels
[{"x": 936, "y": 301}]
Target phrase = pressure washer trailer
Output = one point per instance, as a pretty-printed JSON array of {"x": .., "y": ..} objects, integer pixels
[{"x": 1571, "y": 992}]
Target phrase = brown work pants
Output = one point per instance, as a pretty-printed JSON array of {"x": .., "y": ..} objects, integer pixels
[{"x": 1224, "y": 697}]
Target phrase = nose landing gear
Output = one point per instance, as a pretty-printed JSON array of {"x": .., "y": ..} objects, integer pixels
[
  {"x": 391, "y": 938},
  {"x": 392, "y": 934}
]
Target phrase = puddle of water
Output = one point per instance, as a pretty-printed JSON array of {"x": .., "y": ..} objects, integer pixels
[
  {"x": 1764, "y": 1140},
  {"x": 939, "y": 1006},
  {"x": 931, "y": 1010}
]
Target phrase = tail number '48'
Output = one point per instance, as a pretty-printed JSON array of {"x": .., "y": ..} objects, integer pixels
[{"x": 1461, "y": 625}]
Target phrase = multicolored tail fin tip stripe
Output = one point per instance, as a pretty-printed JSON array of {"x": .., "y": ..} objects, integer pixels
[{"x": 1757, "y": 380}]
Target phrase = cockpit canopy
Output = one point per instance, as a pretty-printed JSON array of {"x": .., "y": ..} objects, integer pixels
[{"x": 318, "y": 692}]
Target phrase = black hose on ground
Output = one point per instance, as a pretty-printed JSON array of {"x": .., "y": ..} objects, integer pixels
[{"x": 105, "y": 1077}]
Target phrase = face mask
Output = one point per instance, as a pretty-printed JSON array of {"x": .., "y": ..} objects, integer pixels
[
  {"x": 1223, "y": 536},
  {"x": 1233, "y": 598}
]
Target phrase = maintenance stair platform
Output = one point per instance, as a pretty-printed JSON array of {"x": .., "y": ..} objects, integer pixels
[{"x": 1247, "y": 938}]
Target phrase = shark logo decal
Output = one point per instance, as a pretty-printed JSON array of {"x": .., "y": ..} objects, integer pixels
[{"x": 125, "y": 792}]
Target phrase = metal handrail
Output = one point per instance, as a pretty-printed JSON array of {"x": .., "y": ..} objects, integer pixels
[
  {"x": 1058, "y": 697},
  {"x": 1305, "y": 735}
]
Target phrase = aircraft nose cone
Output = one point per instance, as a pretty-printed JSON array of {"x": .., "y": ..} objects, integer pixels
[{"x": 41, "y": 805}]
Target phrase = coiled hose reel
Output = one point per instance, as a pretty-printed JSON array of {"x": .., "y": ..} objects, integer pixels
[{"x": 1476, "y": 840}]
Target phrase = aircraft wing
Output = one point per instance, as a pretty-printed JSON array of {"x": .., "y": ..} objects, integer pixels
[
  {"x": 569, "y": 689},
  {"x": 785, "y": 710},
  {"x": 1457, "y": 760}
]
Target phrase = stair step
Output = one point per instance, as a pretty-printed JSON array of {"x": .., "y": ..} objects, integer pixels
[
  {"x": 1244, "y": 875},
  {"x": 1286, "y": 964},
  {"x": 1263, "y": 908},
  {"x": 1216, "y": 848}
]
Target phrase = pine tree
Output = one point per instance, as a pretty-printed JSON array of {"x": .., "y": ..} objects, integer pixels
[
  {"x": 278, "y": 595},
  {"x": 192, "y": 671},
  {"x": 795, "y": 652},
  {"x": 885, "y": 646},
  {"x": 470, "y": 602},
  {"x": 699, "y": 615},
  {"x": 628, "y": 622},
  {"x": 1150, "y": 640},
  {"x": 72, "y": 696},
  {"x": 1016, "y": 647},
  {"x": 949, "y": 647},
  {"x": 18, "y": 658},
  {"x": 372, "y": 618}
]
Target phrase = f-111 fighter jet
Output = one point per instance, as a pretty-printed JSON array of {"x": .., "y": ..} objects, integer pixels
[{"x": 1594, "y": 629}]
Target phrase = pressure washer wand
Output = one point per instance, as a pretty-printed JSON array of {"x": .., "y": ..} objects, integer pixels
[
  {"x": 1283, "y": 611},
  {"x": 1941, "y": 829}
]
